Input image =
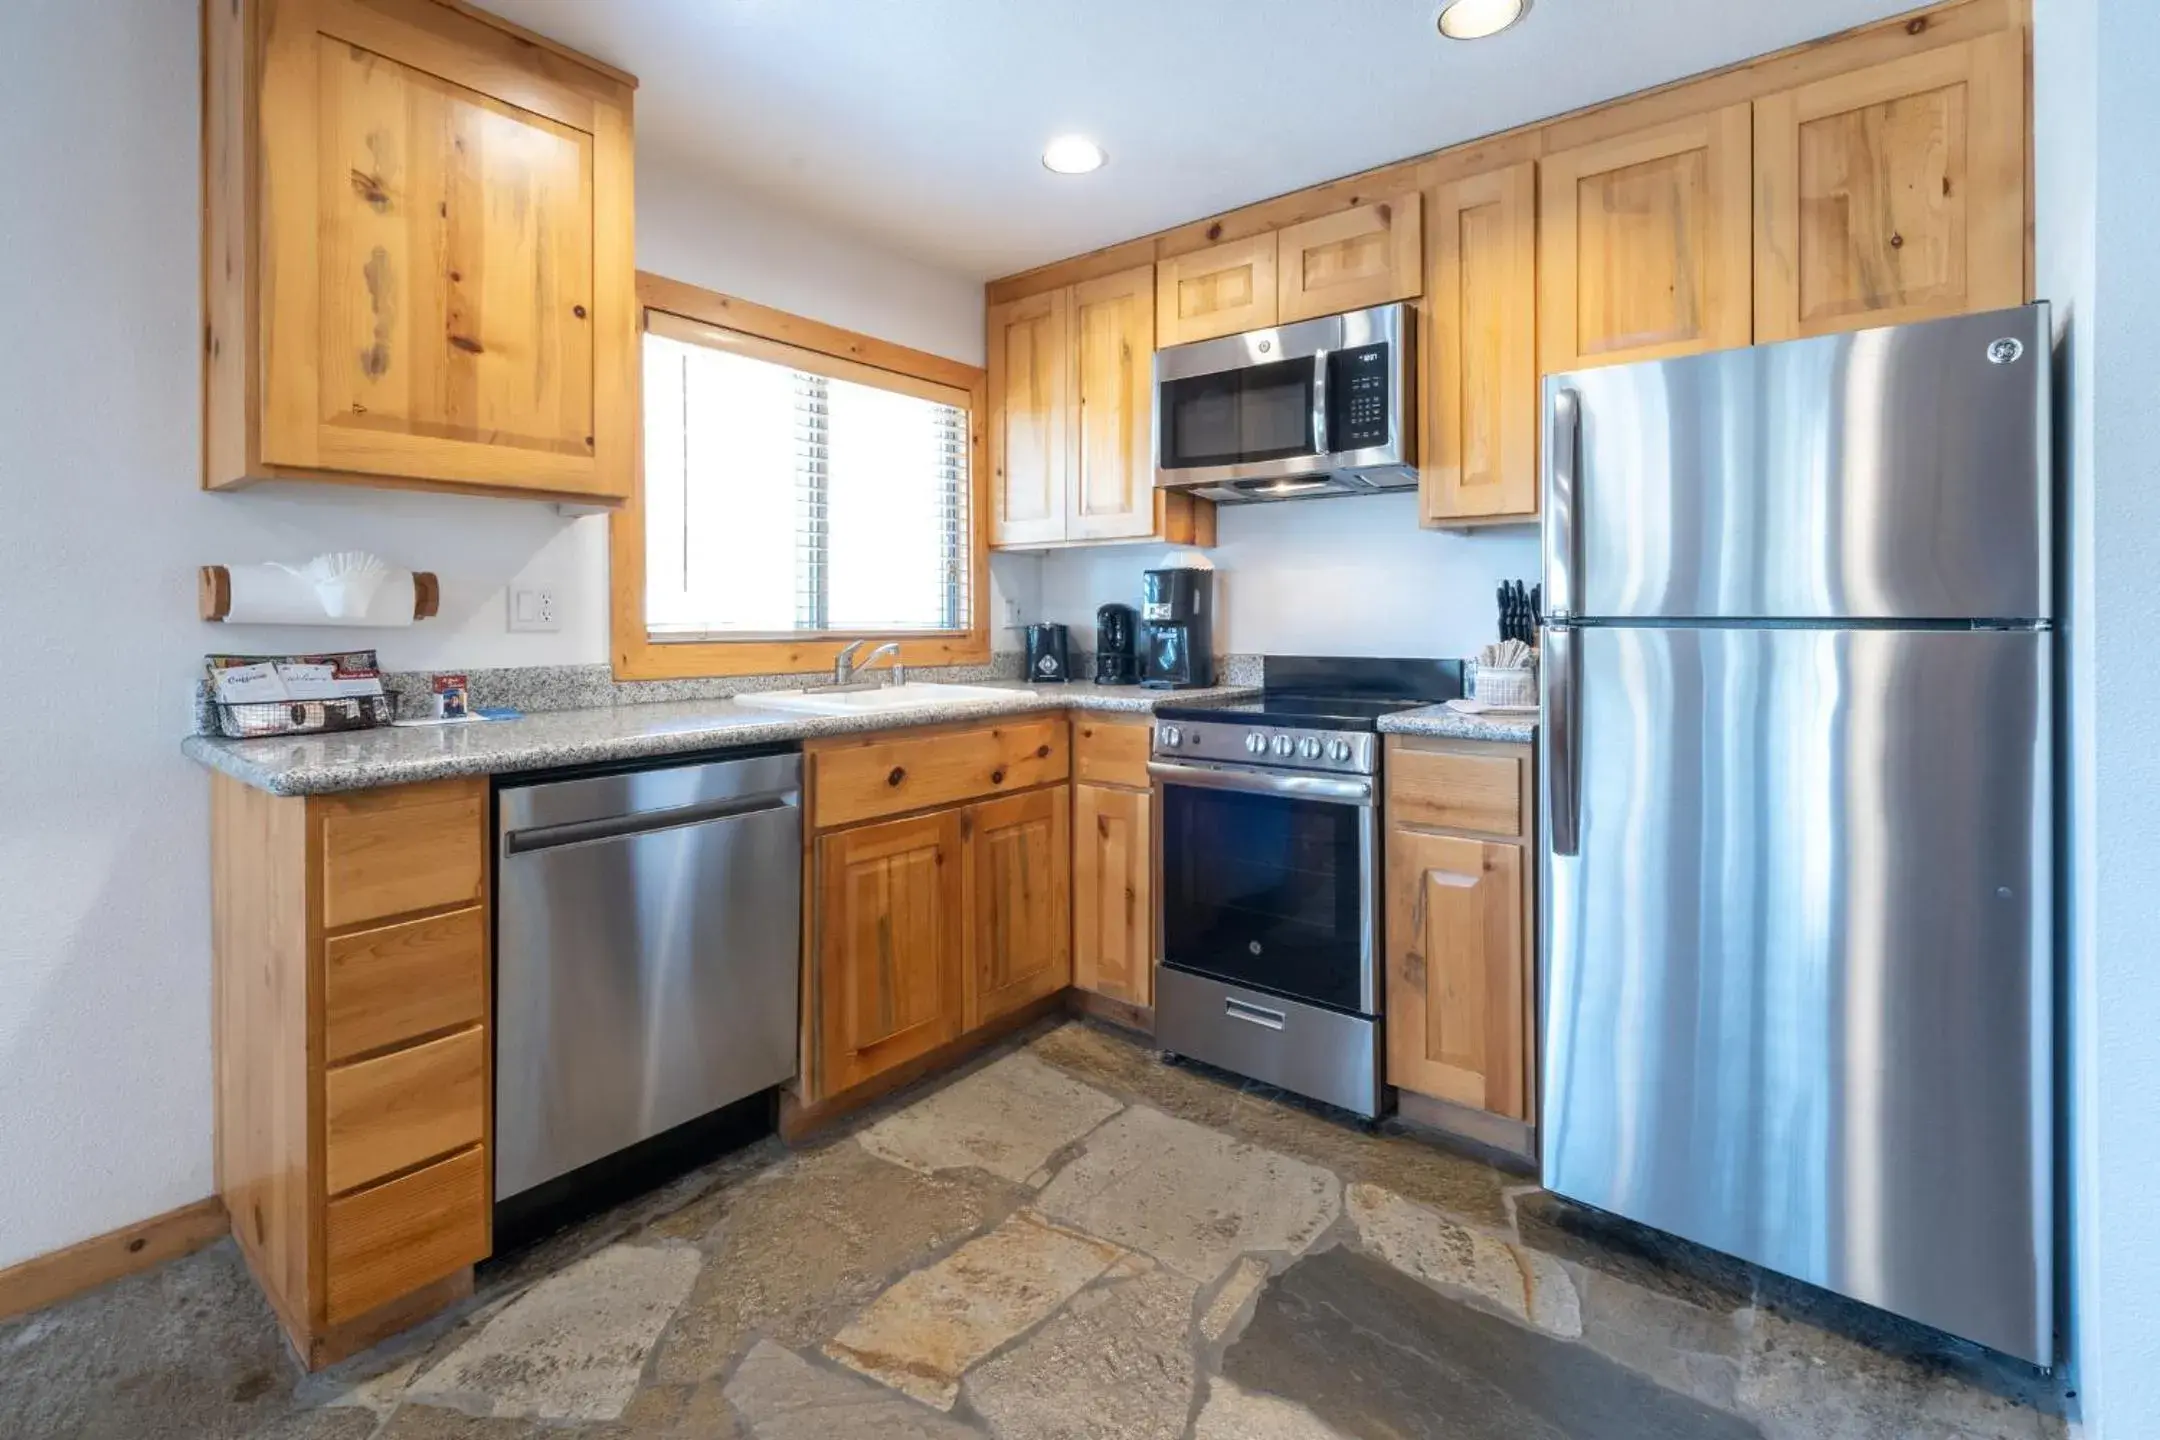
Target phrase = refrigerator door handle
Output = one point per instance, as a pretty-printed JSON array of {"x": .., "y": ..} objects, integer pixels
[
  {"x": 1563, "y": 531},
  {"x": 1562, "y": 665}
]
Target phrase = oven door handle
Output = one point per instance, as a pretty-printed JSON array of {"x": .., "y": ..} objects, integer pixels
[{"x": 1342, "y": 790}]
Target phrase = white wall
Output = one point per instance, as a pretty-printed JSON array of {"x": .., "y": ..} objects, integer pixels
[
  {"x": 1351, "y": 576},
  {"x": 2099, "y": 206},
  {"x": 104, "y": 943}
]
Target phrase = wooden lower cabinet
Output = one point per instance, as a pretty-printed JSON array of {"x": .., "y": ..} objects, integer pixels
[
  {"x": 889, "y": 922},
  {"x": 1113, "y": 893},
  {"x": 1019, "y": 919},
  {"x": 351, "y": 1015},
  {"x": 1460, "y": 931}
]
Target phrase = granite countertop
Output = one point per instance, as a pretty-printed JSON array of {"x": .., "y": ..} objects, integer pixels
[
  {"x": 359, "y": 760},
  {"x": 1440, "y": 721}
]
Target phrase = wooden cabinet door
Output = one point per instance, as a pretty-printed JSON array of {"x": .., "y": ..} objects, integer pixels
[
  {"x": 1221, "y": 290},
  {"x": 1370, "y": 255},
  {"x": 1113, "y": 893},
  {"x": 1029, "y": 397},
  {"x": 1477, "y": 454},
  {"x": 1458, "y": 971},
  {"x": 890, "y": 947},
  {"x": 1644, "y": 246},
  {"x": 1019, "y": 866},
  {"x": 1893, "y": 193},
  {"x": 448, "y": 289},
  {"x": 1110, "y": 492}
]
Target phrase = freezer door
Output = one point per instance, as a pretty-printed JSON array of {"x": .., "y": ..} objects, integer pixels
[
  {"x": 1797, "y": 997},
  {"x": 1895, "y": 474}
]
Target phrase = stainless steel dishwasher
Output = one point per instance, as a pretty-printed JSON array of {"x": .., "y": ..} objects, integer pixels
[{"x": 646, "y": 955}]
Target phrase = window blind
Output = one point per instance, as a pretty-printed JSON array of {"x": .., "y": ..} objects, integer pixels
[{"x": 790, "y": 494}]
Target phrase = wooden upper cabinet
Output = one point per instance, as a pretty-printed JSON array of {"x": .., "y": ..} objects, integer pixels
[
  {"x": 1644, "y": 244},
  {"x": 420, "y": 235},
  {"x": 1458, "y": 971},
  {"x": 1893, "y": 193},
  {"x": 1369, "y": 255},
  {"x": 1111, "y": 474},
  {"x": 1030, "y": 454},
  {"x": 891, "y": 925},
  {"x": 1479, "y": 424},
  {"x": 1019, "y": 860},
  {"x": 1221, "y": 290}
]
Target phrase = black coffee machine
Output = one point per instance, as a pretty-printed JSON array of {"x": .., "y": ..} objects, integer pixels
[
  {"x": 1115, "y": 663},
  {"x": 1178, "y": 606}
]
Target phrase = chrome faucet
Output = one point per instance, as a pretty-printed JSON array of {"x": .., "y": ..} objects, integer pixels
[{"x": 844, "y": 667}]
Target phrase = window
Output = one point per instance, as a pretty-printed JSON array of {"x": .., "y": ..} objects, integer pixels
[
  {"x": 783, "y": 499},
  {"x": 794, "y": 497}
]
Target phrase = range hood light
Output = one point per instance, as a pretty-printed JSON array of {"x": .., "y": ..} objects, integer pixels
[{"x": 1476, "y": 19}]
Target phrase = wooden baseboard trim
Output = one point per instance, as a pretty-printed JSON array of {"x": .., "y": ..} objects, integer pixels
[
  {"x": 364, "y": 1332},
  {"x": 44, "y": 1279},
  {"x": 1511, "y": 1138},
  {"x": 799, "y": 1121},
  {"x": 1122, "y": 1013}
]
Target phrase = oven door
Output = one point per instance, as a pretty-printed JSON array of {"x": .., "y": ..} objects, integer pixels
[{"x": 1267, "y": 880}]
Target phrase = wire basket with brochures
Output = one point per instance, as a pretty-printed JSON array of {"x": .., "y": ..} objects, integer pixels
[{"x": 258, "y": 695}]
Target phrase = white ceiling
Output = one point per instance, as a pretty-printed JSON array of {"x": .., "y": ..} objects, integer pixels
[{"x": 920, "y": 123}]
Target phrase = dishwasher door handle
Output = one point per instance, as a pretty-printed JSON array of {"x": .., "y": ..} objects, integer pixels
[{"x": 645, "y": 822}]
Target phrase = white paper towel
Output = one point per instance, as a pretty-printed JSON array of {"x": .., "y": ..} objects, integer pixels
[{"x": 273, "y": 595}]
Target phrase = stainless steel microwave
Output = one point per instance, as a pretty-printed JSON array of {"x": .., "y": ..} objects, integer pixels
[{"x": 1319, "y": 407}]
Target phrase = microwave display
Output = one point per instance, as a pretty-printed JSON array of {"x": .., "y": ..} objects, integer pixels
[
  {"x": 1236, "y": 417},
  {"x": 1358, "y": 398}
]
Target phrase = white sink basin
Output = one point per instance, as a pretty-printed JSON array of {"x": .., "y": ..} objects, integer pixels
[{"x": 911, "y": 696}]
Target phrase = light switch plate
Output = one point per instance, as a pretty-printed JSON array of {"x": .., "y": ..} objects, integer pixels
[{"x": 534, "y": 609}]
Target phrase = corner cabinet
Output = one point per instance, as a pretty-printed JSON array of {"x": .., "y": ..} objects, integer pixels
[
  {"x": 1645, "y": 245},
  {"x": 419, "y": 242},
  {"x": 1893, "y": 193},
  {"x": 350, "y": 999},
  {"x": 1071, "y": 424},
  {"x": 1461, "y": 937}
]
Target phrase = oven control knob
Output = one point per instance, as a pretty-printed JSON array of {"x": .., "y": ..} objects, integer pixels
[
  {"x": 1284, "y": 745},
  {"x": 1256, "y": 743},
  {"x": 1308, "y": 748},
  {"x": 1339, "y": 751},
  {"x": 1169, "y": 735}
]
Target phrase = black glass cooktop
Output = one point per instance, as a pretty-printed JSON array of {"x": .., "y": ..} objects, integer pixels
[{"x": 1330, "y": 693}]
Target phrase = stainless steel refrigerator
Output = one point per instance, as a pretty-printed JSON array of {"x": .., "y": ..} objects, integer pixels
[{"x": 1796, "y": 765}]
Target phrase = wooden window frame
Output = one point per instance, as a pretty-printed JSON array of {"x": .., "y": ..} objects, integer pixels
[{"x": 637, "y": 656}]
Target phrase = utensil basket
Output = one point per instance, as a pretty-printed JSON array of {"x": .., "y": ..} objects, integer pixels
[{"x": 1514, "y": 688}]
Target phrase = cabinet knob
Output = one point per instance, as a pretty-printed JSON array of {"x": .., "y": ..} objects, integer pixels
[
  {"x": 1042, "y": 752},
  {"x": 997, "y": 777},
  {"x": 578, "y": 310},
  {"x": 899, "y": 773}
]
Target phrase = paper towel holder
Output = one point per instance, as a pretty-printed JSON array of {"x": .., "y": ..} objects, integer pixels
[{"x": 213, "y": 593}]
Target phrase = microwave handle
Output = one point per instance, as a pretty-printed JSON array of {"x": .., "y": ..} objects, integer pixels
[{"x": 1319, "y": 402}]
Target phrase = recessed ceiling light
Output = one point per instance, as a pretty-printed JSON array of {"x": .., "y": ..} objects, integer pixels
[
  {"x": 1073, "y": 155},
  {"x": 1475, "y": 19}
]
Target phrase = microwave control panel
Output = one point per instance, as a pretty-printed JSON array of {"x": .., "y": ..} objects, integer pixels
[{"x": 1358, "y": 417}]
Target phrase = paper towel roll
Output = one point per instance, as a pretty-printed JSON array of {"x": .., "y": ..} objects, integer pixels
[{"x": 275, "y": 595}]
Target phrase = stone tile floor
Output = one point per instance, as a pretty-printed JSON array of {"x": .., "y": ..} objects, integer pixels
[{"x": 1068, "y": 1239}]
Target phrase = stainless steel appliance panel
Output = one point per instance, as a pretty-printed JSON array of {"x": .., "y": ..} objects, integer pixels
[
  {"x": 1797, "y": 996},
  {"x": 1325, "y": 1054},
  {"x": 647, "y": 954},
  {"x": 1881, "y": 474}
]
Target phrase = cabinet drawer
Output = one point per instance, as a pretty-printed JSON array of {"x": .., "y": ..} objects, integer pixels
[
  {"x": 392, "y": 1239},
  {"x": 1448, "y": 790},
  {"x": 396, "y": 1110},
  {"x": 390, "y": 852},
  {"x": 383, "y": 987},
  {"x": 860, "y": 780},
  {"x": 1112, "y": 752}
]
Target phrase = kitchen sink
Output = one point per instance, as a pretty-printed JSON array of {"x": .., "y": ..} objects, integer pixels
[{"x": 873, "y": 701}]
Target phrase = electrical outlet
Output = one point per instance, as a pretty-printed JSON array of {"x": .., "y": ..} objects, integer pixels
[
  {"x": 1012, "y": 613},
  {"x": 534, "y": 609}
]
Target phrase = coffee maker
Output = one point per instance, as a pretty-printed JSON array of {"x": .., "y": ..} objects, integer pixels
[
  {"x": 1178, "y": 606},
  {"x": 1115, "y": 663}
]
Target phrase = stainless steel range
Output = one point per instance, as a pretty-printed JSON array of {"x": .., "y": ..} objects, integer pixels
[{"x": 1267, "y": 873}]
